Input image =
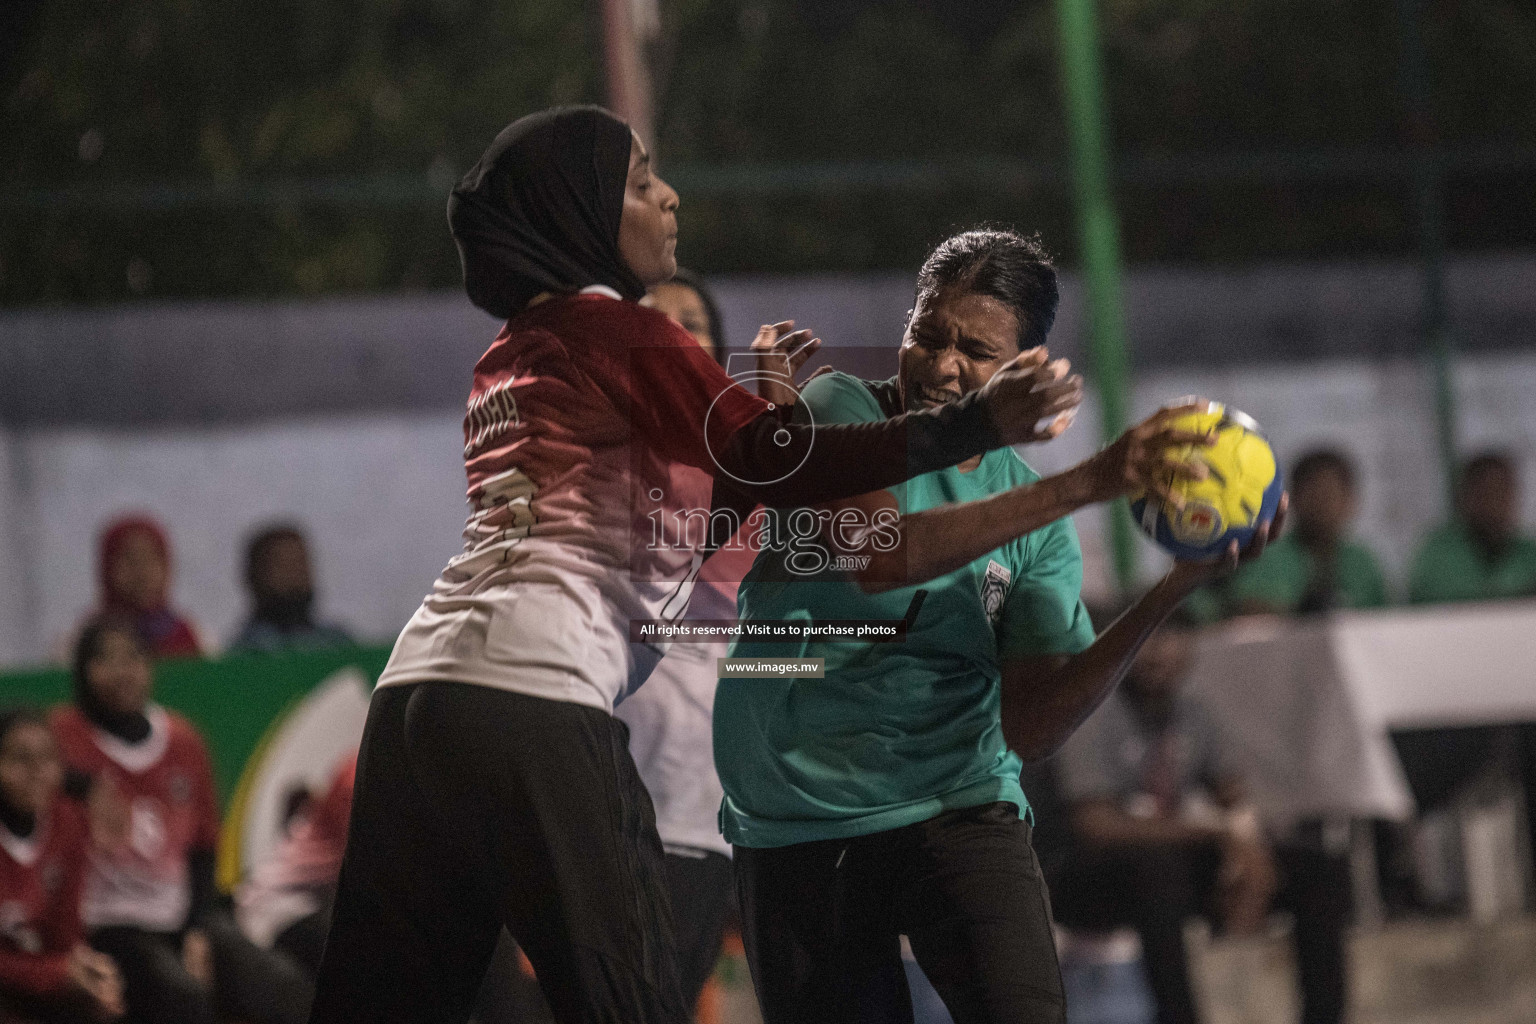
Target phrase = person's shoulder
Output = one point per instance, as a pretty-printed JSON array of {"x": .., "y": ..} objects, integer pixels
[
  {"x": 619, "y": 320},
  {"x": 334, "y": 634},
  {"x": 1361, "y": 553},
  {"x": 68, "y": 724},
  {"x": 1283, "y": 555},
  {"x": 842, "y": 396},
  {"x": 254, "y": 637},
  {"x": 1440, "y": 540},
  {"x": 182, "y": 734},
  {"x": 76, "y": 738},
  {"x": 66, "y": 818}
]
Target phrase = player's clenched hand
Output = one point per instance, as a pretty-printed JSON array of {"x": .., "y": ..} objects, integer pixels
[
  {"x": 1032, "y": 398},
  {"x": 1145, "y": 458},
  {"x": 781, "y": 351}
]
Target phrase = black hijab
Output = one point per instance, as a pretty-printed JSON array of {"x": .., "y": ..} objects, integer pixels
[{"x": 540, "y": 211}]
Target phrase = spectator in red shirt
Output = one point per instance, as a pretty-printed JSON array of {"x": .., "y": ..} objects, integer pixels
[
  {"x": 287, "y": 902},
  {"x": 149, "y": 897},
  {"x": 47, "y": 973},
  {"x": 135, "y": 575}
]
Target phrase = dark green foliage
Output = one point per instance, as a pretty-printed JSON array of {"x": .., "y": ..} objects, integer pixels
[{"x": 205, "y": 147}]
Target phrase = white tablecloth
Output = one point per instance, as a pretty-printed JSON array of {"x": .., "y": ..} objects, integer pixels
[
  {"x": 1309, "y": 702},
  {"x": 1304, "y": 743}
]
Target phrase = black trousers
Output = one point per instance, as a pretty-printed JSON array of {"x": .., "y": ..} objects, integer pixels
[
  {"x": 68, "y": 1007},
  {"x": 304, "y": 940},
  {"x": 1156, "y": 889},
  {"x": 700, "y": 887},
  {"x": 822, "y": 923},
  {"x": 475, "y": 808}
]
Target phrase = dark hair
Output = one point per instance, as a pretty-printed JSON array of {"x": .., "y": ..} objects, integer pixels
[
  {"x": 16, "y": 715},
  {"x": 1322, "y": 460},
  {"x": 88, "y": 646},
  {"x": 262, "y": 541},
  {"x": 1006, "y": 265},
  {"x": 1487, "y": 462},
  {"x": 691, "y": 280}
]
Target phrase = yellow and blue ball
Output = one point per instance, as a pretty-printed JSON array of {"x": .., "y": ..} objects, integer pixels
[{"x": 1241, "y": 491}]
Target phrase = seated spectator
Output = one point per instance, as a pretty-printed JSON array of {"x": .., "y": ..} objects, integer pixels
[
  {"x": 1480, "y": 555},
  {"x": 281, "y": 584},
  {"x": 47, "y": 972},
  {"x": 1160, "y": 832},
  {"x": 686, "y": 300},
  {"x": 287, "y": 905},
  {"x": 149, "y": 897},
  {"x": 287, "y": 902},
  {"x": 1315, "y": 567},
  {"x": 135, "y": 575}
]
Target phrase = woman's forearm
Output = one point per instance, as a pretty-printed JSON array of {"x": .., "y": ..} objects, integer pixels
[
  {"x": 1041, "y": 710},
  {"x": 783, "y": 464},
  {"x": 940, "y": 540}
]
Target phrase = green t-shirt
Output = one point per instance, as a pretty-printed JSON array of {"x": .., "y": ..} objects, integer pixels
[
  {"x": 1452, "y": 566},
  {"x": 1283, "y": 577},
  {"x": 896, "y": 733}
]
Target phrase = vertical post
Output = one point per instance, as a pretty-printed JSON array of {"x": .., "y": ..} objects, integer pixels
[
  {"x": 1429, "y": 213},
  {"x": 629, "y": 85},
  {"x": 1099, "y": 234}
]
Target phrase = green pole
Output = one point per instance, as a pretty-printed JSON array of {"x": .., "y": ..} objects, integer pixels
[
  {"x": 1099, "y": 234},
  {"x": 1429, "y": 209}
]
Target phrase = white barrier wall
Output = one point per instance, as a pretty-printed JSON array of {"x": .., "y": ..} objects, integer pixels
[
  {"x": 382, "y": 495},
  {"x": 382, "y": 498}
]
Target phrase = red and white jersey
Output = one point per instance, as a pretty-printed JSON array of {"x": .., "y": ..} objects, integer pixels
[
  {"x": 285, "y": 887},
  {"x": 167, "y": 783},
  {"x": 40, "y": 880},
  {"x": 580, "y": 414}
]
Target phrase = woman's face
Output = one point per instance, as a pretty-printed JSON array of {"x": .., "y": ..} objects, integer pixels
[
  {"x": 955, "y": 342},
  {"x": 30, "y": 771},
  {"x": 138, "y": 573},
  {"x": 648, "y": 227},
  {"x": 119, "y": 674},
  {"x": 683, "y": 304}
]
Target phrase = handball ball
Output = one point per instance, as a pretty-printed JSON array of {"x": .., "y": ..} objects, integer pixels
[{"x": 1241, "y": 491}]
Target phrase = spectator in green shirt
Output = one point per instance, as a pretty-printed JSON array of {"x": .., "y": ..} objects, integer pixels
[
  {"x": 1479, "y": 555},
  {"x": 1316, "y": 567}
]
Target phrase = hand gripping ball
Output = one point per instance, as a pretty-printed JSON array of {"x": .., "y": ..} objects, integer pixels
[{"x": 1241, "y": 491}]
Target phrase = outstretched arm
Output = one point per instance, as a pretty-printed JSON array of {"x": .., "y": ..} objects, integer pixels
[
  {"x": 937, "y": 541},
  {"x": 1045, "y": 700},
  {"x": 785, "y": 463}
]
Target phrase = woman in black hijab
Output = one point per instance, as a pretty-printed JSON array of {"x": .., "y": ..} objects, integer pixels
[{"x": 494, "y": 785}]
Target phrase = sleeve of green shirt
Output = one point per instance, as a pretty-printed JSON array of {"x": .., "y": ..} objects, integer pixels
[
  {"x": 837, "y": 398},
  {"x": 1043, "y": 613}
]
